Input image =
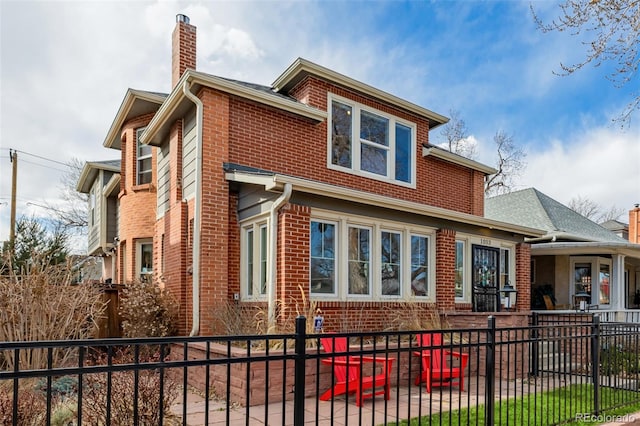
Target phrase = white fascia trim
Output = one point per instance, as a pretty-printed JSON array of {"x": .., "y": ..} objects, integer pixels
[
  {"x": 129, "y": 99},
  {"x": 277, "y": 182},
  {"x": 89, "y": 167},
  {"x": 302, "y": 65},
  {"x": 457, "y": 159},
  {"x": 217, "y": 83},
  {"x": 111, "y": 185},
  {"x": 628, "y": 249}
]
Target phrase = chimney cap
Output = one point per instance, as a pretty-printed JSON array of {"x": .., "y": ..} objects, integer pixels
[{"x": 182, "y": 18}]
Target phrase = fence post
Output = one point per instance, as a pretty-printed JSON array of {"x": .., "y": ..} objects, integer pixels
[
  {"x": 299, "y": 375},
  {"x": 490, "y": 369},
  {"x": 534, "y": 344},
  {"x": 595, "y": 362}
]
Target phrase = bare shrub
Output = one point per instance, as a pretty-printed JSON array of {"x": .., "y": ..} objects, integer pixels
[
  {"x": 122, "y": 394},
  {"x": 42, "y": 303},
  {"x": 413, "y": 316},
  {"x": 147, "y": 310},
  {"x": 232, "y": 318},
  {"x": 31, "y": 404}
]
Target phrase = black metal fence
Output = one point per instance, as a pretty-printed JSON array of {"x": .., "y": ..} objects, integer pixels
[{"x": 543, "y": 374}]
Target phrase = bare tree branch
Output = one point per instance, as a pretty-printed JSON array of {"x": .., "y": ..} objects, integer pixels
[
  {"x": 509, "y": 165},
  {"x": 73, "y": 215},
  {"x": 594, "y": 211},
  {"x": 456, "y": 136},
  {"x": 612, "y": 31}
]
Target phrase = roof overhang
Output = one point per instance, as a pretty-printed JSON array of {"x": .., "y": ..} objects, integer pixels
[
  {"x": 275, "y": 182},
  {"x": 89, "y": 173},
  {"x": 301, "y": 68},
  {"x": 445, "y": 155},
  {"x": 134, "y": 104},
  {"x": 586, "y": 248},
  {"x": 177, "y": 104},
  {"x": 112, "y": 187}
]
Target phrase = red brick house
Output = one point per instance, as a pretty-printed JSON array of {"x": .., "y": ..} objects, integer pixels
[{"x": 320, "y": 182}]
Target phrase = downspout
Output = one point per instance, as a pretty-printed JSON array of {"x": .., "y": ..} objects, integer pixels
[
  {"x": 197, "y": 216},
  {"x": 273, "y": 246}
]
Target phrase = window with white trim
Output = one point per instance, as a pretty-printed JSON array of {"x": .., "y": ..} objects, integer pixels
[
  {"x": 354, "y": 257},
  {"x": 359, "y": 260},
  {"x": 505, "y": 257},
  {"x": 254, "y": 260},
  {"x": 323, "y": 257},
  {"x": 390, "y": 262},
  {"x": 143, "y": 155},
  {"x": 144, "y": 260},
  {"x": 371, "y": 143},
  {"x": 419, "y": 265}
]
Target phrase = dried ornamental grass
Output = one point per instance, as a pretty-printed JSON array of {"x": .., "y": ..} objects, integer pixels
[{"x": 43, "y": 303}]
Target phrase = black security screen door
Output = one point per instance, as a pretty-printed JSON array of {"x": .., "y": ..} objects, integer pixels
[{"x": 486, "y": 267}]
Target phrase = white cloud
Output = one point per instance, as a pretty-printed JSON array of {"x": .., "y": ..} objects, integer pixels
[{"x": 599, "y": 163}]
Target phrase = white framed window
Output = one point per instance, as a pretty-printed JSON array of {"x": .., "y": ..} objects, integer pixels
[
  {"x": 391, "y": 263},
  {"x": 371, "y": 143},
  {"x": 323, "y": 257},
  {"x": 253, "y": 248},
  {"x": 355, "y": 257},
  {"x": 592, "y": 275},
  {"x": 144, "y": 259},
  {"x": 143, "y": 162},
  {"x": 92, "y": 205},
  {"x": 359, "y": 260}
]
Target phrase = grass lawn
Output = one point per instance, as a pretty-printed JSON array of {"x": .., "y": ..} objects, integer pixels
[{"x": 559, "y": 406}]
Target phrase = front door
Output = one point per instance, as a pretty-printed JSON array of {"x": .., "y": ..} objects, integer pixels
[{"x": 486, "y": 268}]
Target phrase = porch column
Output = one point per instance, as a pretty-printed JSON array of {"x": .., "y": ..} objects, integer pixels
[
  {"x": 523, "y": 277},
  {"x": 618, "y": 290},
  {"x": 445, "y": 269}
]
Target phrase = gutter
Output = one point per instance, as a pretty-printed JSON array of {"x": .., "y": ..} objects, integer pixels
[
  {"x": 276, "y": 182},
  {"x": 273, "y": 246},
  {"x": 197, "y": 215}
]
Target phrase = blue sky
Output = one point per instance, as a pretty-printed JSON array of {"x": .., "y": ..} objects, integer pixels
[{"x": 65, "y": 67}]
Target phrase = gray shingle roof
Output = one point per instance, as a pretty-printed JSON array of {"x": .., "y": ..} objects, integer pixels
[{"x": 530, "y": 207}]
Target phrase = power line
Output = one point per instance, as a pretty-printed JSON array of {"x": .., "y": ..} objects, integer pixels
[
  {"x": 42, "y": 158},
  {"x": 42, "y": 165}
]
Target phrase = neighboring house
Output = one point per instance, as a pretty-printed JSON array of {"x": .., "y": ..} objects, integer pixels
[
  {"x": 101, "y": 180},
  {"x": 318, "y": 188},
  {"x": 575, "y": 255},
  {"x": 86, "y": 269},
  {"x": 621, "y": 229}
]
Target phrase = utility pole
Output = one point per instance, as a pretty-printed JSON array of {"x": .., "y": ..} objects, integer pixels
[{"x": 13, "y": 157}]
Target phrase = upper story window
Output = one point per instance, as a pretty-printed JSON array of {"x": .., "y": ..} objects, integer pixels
[
  {"x": 371, "y": 143},
  {"x": 143, "y": 154},
  {"x": 92, "y": 206}
]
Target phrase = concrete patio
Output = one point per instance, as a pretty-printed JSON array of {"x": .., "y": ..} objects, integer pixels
[{"x": 405, "y": 403}]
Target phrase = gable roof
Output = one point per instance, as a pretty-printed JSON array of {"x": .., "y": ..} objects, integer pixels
[
  {"x": 134, "y": 104},
  {"x": 277, "y": 96},
  {"x": 177, "y": 104},
  {"x": 530, "y": 207},
  {"x": 90, "y": 171},
  {"x": 301, "y": 68}
]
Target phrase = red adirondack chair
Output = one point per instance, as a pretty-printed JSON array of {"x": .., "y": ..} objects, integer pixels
[
  {"x": 436, "y": 367},
  {"x": 348, "y": 372}
]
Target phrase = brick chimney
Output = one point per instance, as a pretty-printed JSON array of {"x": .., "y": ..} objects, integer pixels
[
  {"x": 183, "y": 54},
  {"x": 634, "y": 225}
]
